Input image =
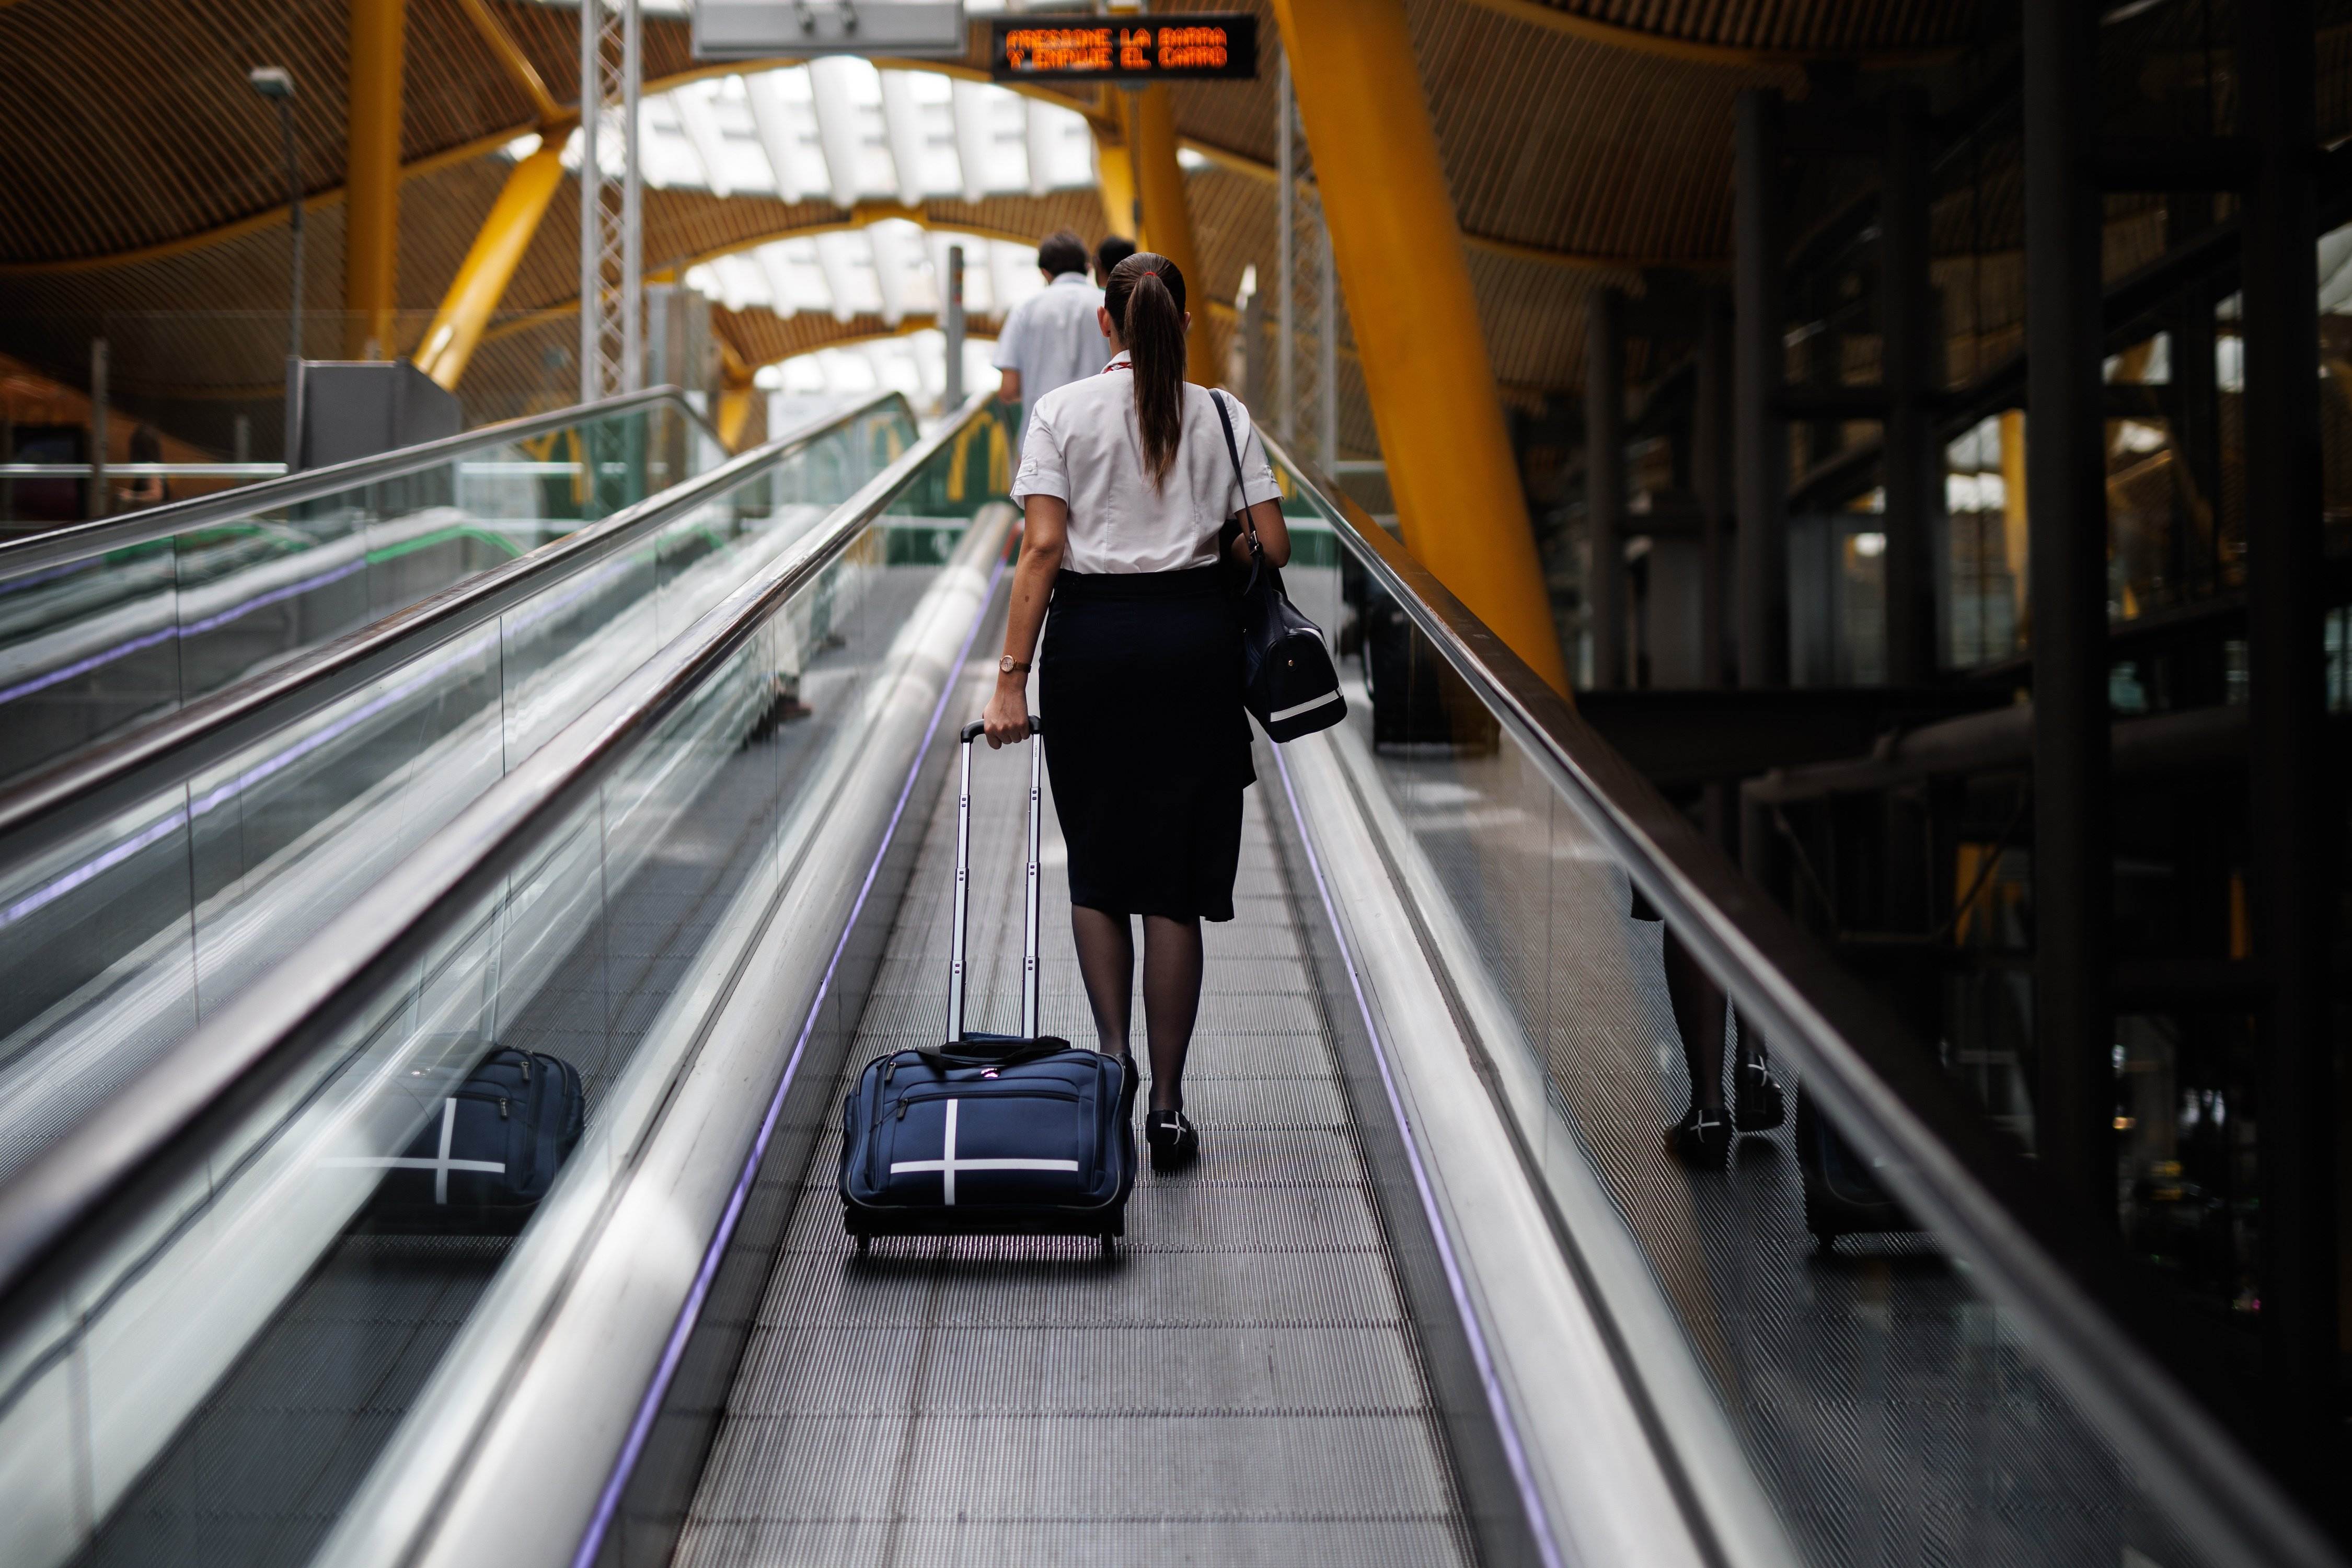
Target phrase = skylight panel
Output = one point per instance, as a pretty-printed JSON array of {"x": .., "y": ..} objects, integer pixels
[
  {"x": 738, "y": 139},
  {"x": 741, "y": 283},
  {"x": 902, "y": 254},
  {"x": 848, "y": 372},
  {"x": 927, "y": 98},
  {"x": 848, "y": 97},
  {"x": 1061, "y": 148},
  {"x": 895, "y": 369},
  {"x": 691, "y": 106},
  {"x": 796, "y": 276},
  {"x": 992, "y": 140},
  {"x": 664, "y": 156},
  {"x": 1012, "y": 273},
  {"x": 848, "y": 263},
  {"x": 979, "y": 290},
  {"x": 782, "y": 106}
]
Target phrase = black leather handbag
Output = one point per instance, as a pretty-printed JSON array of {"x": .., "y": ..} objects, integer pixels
[{"x": 1289, "y": 682}]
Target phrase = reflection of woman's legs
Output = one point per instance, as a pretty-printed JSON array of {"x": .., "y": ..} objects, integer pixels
[
  {"x": 1107, "y": 964},
  {"x": 1172, "y": 1000},
  {"x": 1698, "y": 1017}
]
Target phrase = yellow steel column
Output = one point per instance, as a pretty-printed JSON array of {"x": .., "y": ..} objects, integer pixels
[
  {"x": 1166, "y": 220},
  {"x": 483, "y": 276},
  {"x": 737, "y": 394},
  {"x": 1115, "y": 176},
  {"x": 371, "y": 206},
  {"x": 1160, "y": 179},
  {"x": 1398, "y": 248}
]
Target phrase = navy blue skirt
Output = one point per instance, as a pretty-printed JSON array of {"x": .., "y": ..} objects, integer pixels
[{"x": 1139, "y": 686}]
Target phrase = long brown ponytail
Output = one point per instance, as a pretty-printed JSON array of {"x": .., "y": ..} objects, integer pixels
[{"x": 1144, "y": 294}]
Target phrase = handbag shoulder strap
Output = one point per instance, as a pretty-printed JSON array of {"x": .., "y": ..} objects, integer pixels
[{"x": 1234, "y": 451}]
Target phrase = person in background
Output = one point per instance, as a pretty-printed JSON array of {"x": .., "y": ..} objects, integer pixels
[
  {"x": 1114, "y": 249},
  {"x": 144, "y": 490},
  {"x": 1050, "y": 338}
]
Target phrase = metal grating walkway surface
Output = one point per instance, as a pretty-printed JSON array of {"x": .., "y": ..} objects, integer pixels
[{"x": 1241, "y": 1385}]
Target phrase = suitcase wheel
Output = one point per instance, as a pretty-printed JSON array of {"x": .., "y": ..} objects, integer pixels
[
  {"x": 1110, "y": 1245},
  {"x": 865, "y": 1244}
]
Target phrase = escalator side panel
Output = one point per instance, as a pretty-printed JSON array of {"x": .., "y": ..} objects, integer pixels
[
  {"x": 1492, "y": 1506},
  {"x": 651, "y": 1509}
]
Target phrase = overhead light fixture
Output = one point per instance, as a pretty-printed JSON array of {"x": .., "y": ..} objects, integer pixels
[{"x": 760, "y": 29}]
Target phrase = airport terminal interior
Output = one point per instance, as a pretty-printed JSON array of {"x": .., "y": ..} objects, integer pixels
[{"x": 1795, "y": 1010}]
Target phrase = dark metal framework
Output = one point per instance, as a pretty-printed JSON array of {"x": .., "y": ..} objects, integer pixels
[{"x": 2184, "y": 872}]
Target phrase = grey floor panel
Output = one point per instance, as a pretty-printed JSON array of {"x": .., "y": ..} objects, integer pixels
[
  {"x": 1394, "y": 1542},
  {"x": 967, "y": 1282},
  {"x": 1238, "y": 1387}
]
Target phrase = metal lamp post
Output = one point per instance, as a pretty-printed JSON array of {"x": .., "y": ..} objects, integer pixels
[{"x": 275, "y": 83}]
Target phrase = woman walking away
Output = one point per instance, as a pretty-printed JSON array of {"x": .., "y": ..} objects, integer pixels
[{"x": 1125, "y": 482}]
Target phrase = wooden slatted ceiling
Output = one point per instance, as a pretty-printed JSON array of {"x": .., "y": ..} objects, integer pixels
[
  {"x": 138, "y": 127},
  {"x": 1846, "y": 26},
  {"x": 135, "y": 127}
]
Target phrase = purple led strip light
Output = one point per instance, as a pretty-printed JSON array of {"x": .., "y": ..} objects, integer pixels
[
  {"x": 1512, "y": 1450},
  {"x": 193, "y": 629},
  {"x": 608, "y": 1501},
  {"x": 280, "y": 761}
]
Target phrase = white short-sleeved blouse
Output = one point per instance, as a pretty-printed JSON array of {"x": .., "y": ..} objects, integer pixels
[{"x": 1084, "y": 446}]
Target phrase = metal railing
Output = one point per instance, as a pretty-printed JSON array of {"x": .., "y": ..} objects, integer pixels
[
  {"x": 301, "y": 684},
  {"x": 79, "y": 542},
  {"x": 2020, "y": 1241}
]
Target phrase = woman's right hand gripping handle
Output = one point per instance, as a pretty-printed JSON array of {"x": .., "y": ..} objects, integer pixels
[{"x": 1006, "y": 721}]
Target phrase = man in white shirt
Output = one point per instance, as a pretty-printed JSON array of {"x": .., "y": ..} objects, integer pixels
[{"x": 1052, "y": 338}]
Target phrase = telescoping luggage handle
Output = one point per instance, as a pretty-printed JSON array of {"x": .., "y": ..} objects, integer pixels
[{"x": 971, "y": 732}]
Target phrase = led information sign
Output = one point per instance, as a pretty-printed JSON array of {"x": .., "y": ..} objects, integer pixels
[{"x": 1183, "y": 47}]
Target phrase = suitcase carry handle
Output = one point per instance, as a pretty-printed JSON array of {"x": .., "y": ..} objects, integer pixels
[
  {"x": 1004, "y": 1054},
  {"x": 963, "y": 879}
]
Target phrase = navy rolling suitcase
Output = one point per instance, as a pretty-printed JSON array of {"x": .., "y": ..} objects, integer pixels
[{"x": 990, "y": 1134}]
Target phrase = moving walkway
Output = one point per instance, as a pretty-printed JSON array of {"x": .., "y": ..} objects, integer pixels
[
  {"x": 110, "y": 624},
  {"x": 144, "y": 880},
  {"x": 1435, "y": 1292}
]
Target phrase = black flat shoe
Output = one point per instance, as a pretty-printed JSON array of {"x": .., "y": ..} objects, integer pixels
[
  {"x": 1175, "y": 1142},
  {"x": 1701, "y": 1138},
  {"x": 1756, "y": 1101}
]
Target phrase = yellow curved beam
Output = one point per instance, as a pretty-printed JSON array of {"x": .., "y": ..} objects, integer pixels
[
  {"x": 1396, "y": 241},
  {"x": 489, "y": 265},
  {"x": 1115, "y": 183},
  {"x": 518, "y": 64},
  {"x": 1688, "y": 51}
]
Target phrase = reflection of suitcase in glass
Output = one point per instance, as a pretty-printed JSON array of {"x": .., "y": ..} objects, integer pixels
[
  {"x": 1417, "y": 699},
  {"x": 488, "y": 1154},
  {"x": 1840, "y": 1194}
]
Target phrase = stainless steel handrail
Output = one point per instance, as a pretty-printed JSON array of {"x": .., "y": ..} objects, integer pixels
[
  {"x": 64, "y": 546},
  {"x": 2027, "y": 1247},
  {"x": 86, "y": 1188},
  {"x": 315, "y": 673}
]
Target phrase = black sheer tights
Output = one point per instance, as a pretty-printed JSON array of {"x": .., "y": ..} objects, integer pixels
[{"x": 1171, "y": 989}]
